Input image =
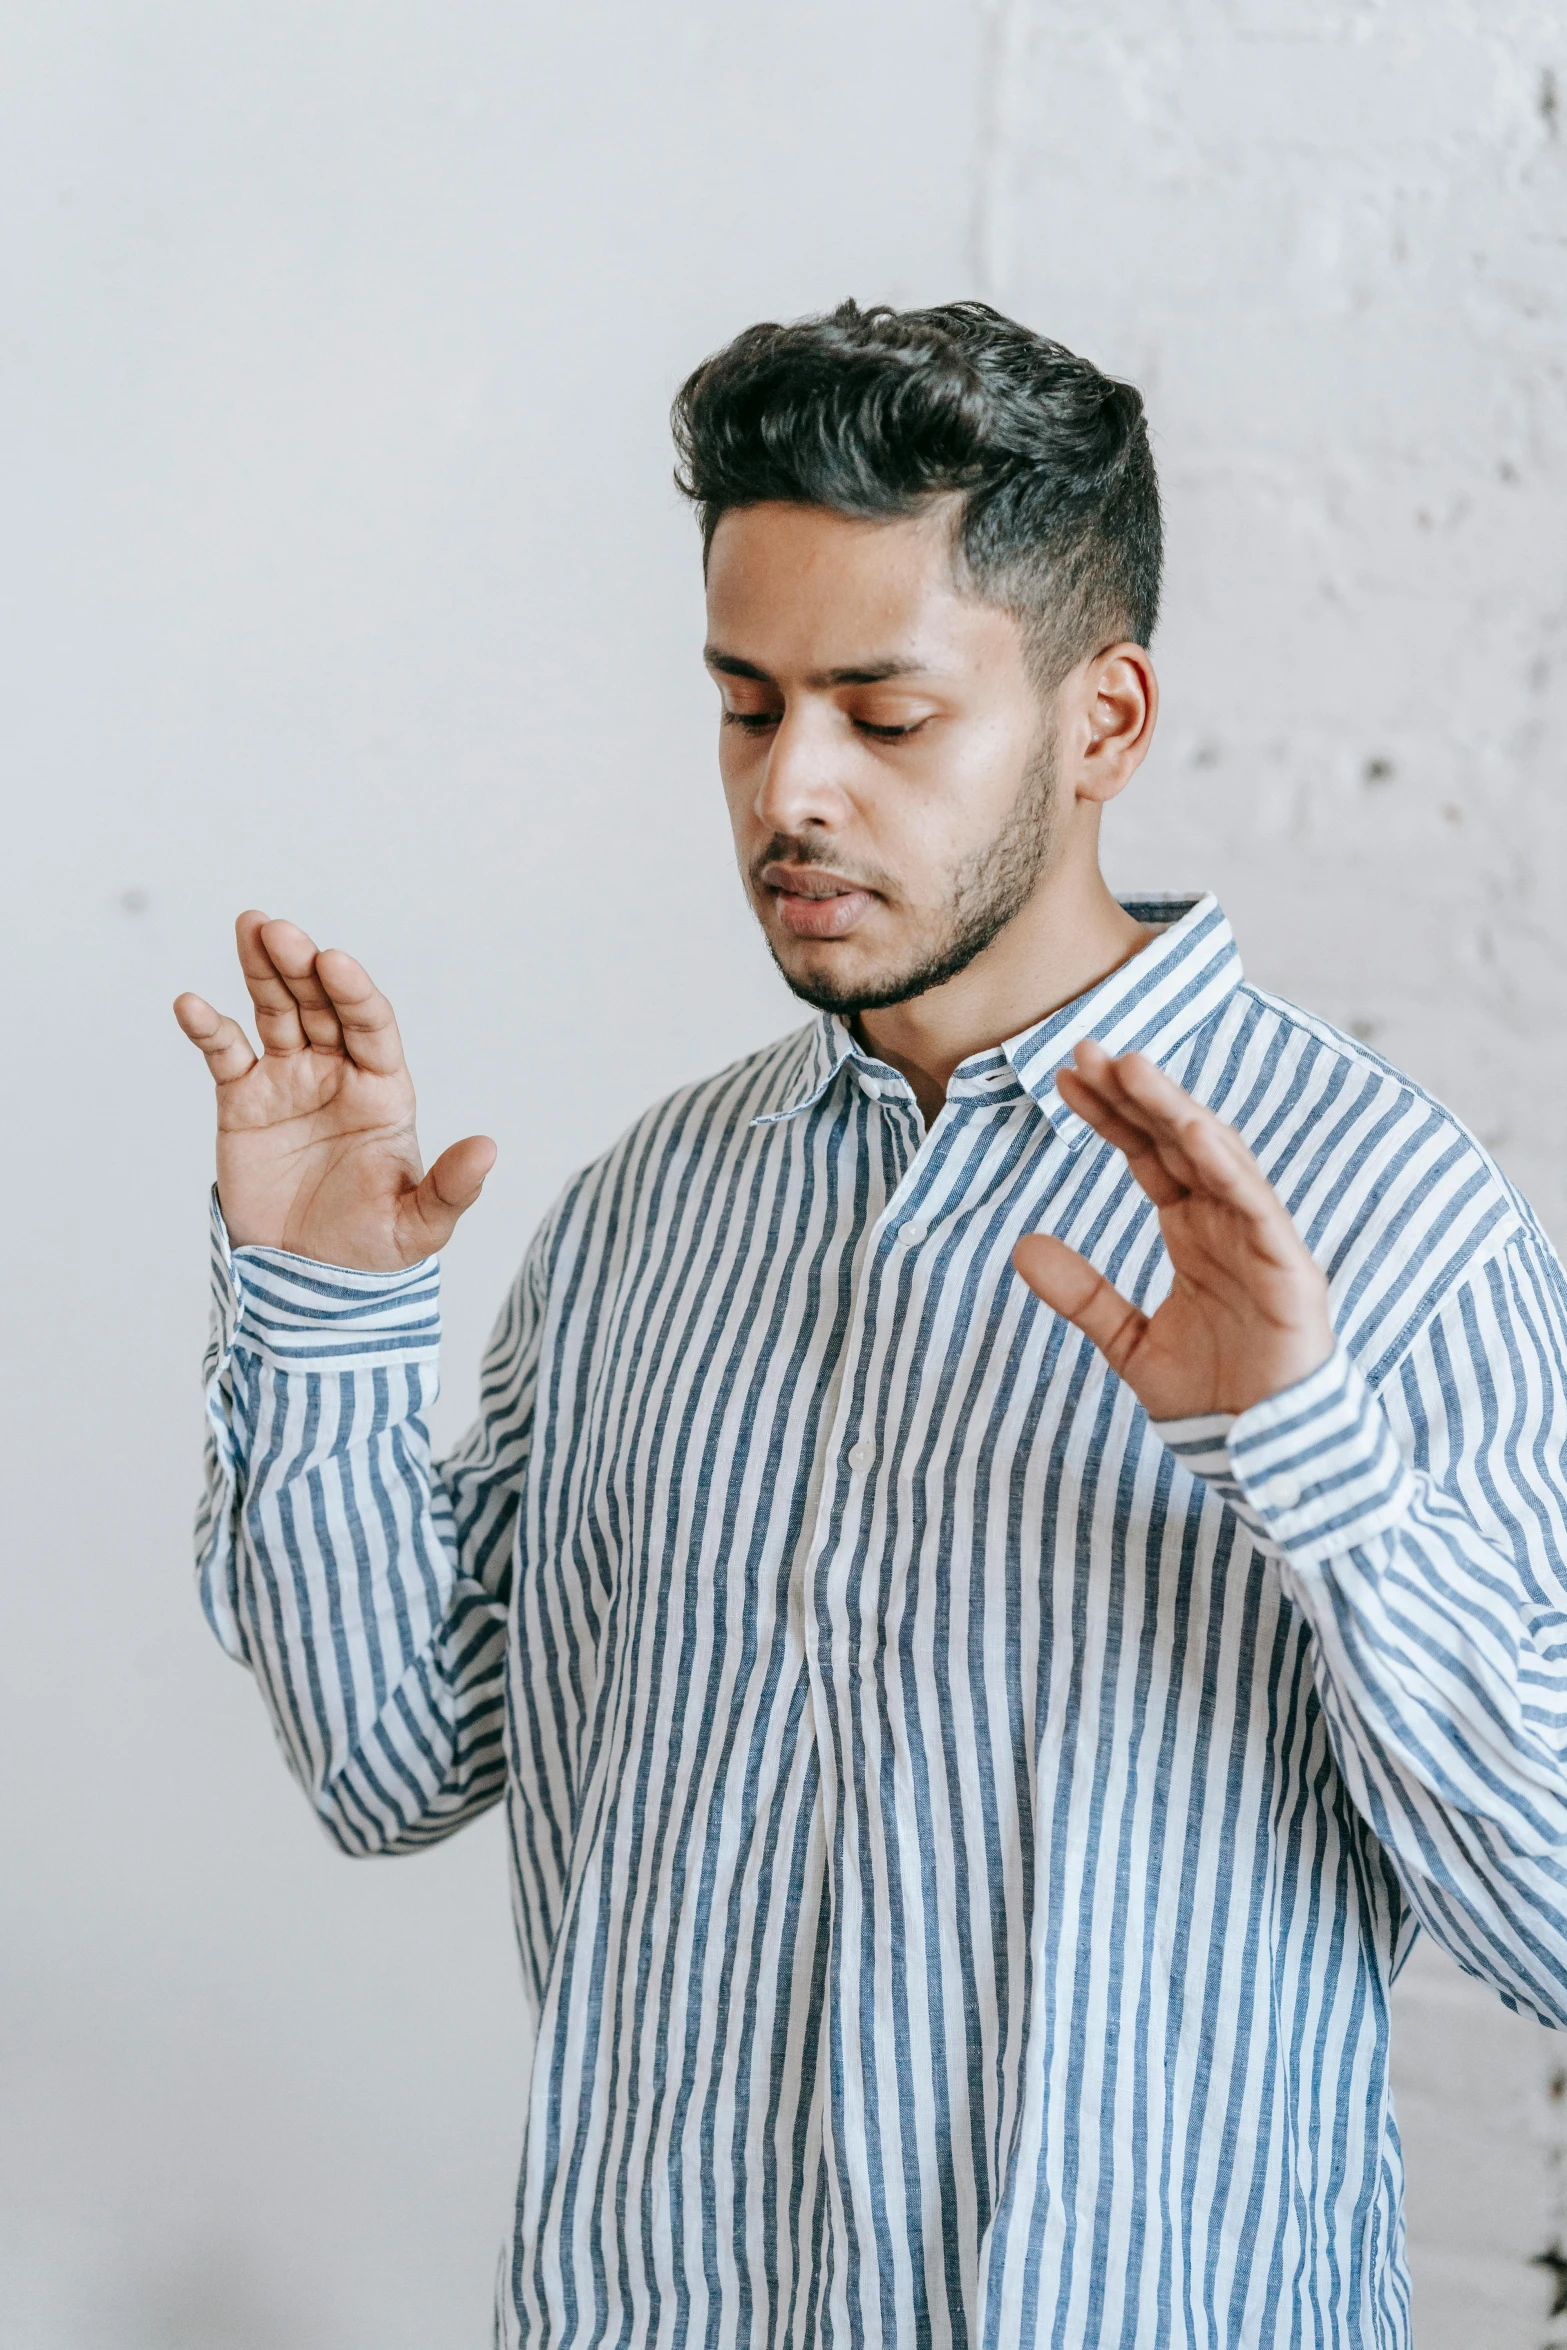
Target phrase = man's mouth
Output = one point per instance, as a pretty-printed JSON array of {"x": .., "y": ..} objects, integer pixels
[{"x": 814, "y": 902}]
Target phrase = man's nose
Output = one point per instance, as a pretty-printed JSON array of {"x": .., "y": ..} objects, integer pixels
[{"x": 802, "y": 782}]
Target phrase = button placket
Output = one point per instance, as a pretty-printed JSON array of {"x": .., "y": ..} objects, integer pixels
[
  {"x": 841, "y": 1446},
  {"x": 846, "y": 1447}
]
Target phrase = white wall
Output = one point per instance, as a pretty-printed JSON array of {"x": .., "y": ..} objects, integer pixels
[
  {"x": 341, "y": 574},
  {"x": 1329, "y": 239}
]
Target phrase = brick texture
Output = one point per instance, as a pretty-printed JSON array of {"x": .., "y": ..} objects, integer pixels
[{"x": 1329, "y": 243}]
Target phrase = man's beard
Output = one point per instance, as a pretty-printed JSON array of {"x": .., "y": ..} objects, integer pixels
[{"x": 989, "y": 889}]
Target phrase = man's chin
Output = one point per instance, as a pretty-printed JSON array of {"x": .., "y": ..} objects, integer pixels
[
  {"x": 845, "y": 977},
  {"x": 835, "y": 982}
]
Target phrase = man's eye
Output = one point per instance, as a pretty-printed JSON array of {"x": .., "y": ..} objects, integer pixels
[
  {"x": 888, "y": 734},
  {"x": 752, "y": 720}
]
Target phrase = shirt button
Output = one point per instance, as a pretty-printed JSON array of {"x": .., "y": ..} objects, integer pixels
[
  {"x": 912, "y": 1234},
  {"x": 1282, "y": 1493},
  {"x": 862, "y": 1454}
]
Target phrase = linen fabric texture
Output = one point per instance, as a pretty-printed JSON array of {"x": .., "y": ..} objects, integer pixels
[{"x": 962, "y": 1834}]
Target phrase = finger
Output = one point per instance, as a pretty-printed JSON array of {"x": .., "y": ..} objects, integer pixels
[
  {"x": 1216, "y": 1153},
  {"x": 1209, "y": 1156},
  {"x": 368, "y": 1024},
  {"x": 293, "y": 955},
  {"x": 1107, "y": 1077},
  {"x": 220, "y": 1039},
  {"x": 1192, "y": 1142},
  {"x": 1146, "y": 1096},
  {"x": 430, "y": 1214},
  {"x": 1162, "y": 1183},
  {"x": 277, "y": 1013},
  {"x": 1069, "y": 1284}
]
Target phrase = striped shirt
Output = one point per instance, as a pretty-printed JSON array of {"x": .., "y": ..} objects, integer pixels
[{"x": 963, "y": 1834}]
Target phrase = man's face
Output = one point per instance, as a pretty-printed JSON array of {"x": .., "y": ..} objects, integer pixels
[{"x": 884, "y": 751}]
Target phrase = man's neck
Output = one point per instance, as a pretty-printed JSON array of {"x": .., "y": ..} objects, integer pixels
[{"x": 1069, "y": 936}]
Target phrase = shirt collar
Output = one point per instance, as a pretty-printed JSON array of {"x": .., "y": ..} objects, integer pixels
[{"x": 1151, "y": 1005}]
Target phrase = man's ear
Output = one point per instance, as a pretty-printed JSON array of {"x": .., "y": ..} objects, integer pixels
[{"x": 1112, "y": 703}]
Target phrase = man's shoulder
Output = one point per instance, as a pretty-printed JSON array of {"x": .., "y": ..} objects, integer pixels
[
  {"x": 709, "y": 1110},
  {"x": 1397, "y": 1199},
  {"x": 1294, "y": 1072},
  {"x": 697, "y": 1125}
]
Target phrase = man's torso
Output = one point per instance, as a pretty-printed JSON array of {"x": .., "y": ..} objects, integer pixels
[{"x": 949, "y": 1920}]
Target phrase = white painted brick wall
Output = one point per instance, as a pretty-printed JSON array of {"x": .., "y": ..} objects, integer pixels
[
  {"x": 1330, "y": 243},
  {"x": 341, "y": 573}
]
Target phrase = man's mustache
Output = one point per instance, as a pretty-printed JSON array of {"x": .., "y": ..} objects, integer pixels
[{"x": 787, "y": 848}]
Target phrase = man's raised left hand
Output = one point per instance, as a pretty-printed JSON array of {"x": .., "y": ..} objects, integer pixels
[{"x": 1247, "y": 1314}]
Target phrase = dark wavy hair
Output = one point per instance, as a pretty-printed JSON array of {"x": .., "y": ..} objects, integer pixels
[{"x": 874, "y": 412}]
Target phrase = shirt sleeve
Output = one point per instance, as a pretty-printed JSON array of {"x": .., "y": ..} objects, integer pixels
[
  {"x": 364, "y": 1587},
  {"x": 1422, "y": 1533}
]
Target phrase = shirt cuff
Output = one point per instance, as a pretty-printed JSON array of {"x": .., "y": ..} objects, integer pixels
[
  {"x": 1313, "y": 1472},
  {"x": 299, "y": 1315}
]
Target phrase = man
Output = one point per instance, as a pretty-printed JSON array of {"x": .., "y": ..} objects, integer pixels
[{"x": 976, "y": 1749}]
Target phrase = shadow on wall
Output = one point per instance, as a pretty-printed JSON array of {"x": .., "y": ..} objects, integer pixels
[
  {"x": 56, "y": 2294},
  {"x": 1482, "y": 2110}
]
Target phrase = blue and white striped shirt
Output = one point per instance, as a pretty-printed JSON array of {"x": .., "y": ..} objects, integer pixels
[{"x": 963, "y": 1834}]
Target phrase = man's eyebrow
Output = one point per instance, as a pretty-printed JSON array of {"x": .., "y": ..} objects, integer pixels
[
  {"x": 731, "y": 665},
  {"x": 872, "y": 673},
  {"x": 865, "y": 673}
]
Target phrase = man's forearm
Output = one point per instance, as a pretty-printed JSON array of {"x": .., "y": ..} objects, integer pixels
[
  {"x": 1447, "y": 1708},
  {"x": 328, "y": 1561}
]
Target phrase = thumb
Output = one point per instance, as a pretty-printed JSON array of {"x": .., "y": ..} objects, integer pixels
[
  {"x": 429, "y": 1215},
  {"x": 1069, "y": 1283}
]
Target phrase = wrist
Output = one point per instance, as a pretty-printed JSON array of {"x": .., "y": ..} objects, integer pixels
[
  {"x": 347, "y": 1250},
  {"x": 1313, "y": 1470},
  {"x": 1284, "y": 1367},
  {"x": 299, "y": 1313}
]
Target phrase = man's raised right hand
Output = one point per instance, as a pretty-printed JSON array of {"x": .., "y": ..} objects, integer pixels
[{"x": 317, "y": 1151}]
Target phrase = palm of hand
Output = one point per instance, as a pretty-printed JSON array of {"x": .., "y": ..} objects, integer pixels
[
  {"x": 317, "y": 1148},
  {"x": 1246, "y": 1315},
  {"x": 320, "y": 1152},
  {"x": 1225, "y": 1334}
]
